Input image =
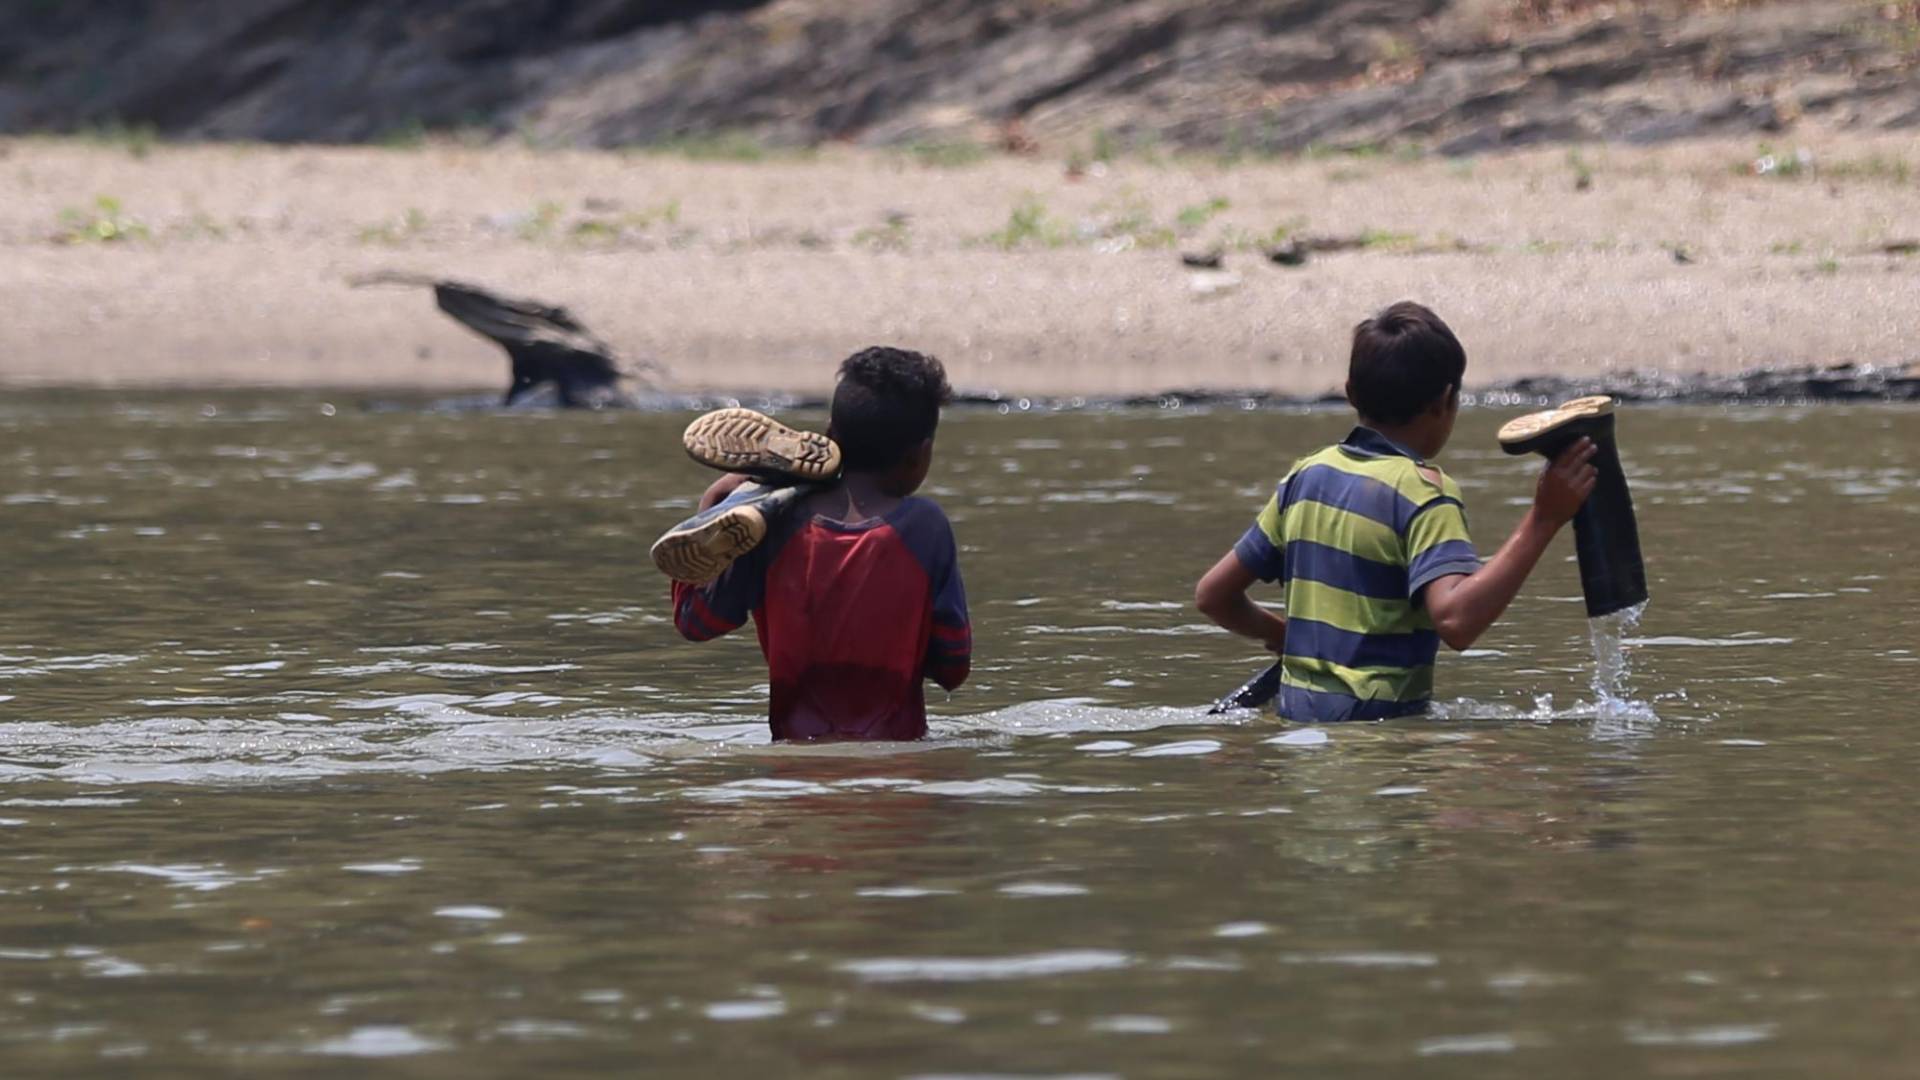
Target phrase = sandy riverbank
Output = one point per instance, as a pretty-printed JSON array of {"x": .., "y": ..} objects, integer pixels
[{"x": 226, "y": 264}]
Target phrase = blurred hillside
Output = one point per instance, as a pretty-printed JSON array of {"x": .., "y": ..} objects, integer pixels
[{"x": 1251, "y": 75}]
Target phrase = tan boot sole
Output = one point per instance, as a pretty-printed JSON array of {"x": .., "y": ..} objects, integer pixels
[
  {"x": 1522, "y": 429},
  {"x": 745, "y": 441},
  {"x": 699, "y": 554}
]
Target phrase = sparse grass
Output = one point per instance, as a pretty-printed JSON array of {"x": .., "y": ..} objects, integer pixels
[
  {"x": 736, "y": 146},
  {"x": 614, "y": 228},
  {"x": 106, "y": 222},
  {"x": 1342, "y": 151},
  {"x": 894, "y": 234},
  {"x": 1777, "y": 165},
  {"x": 1405, "y": 152},
  {"x": 1827, "y": 266},
  {"x": 1582, "y": 171},
  {"x": 1787, "y": 247},
  {"x": 1801, "y": 164},
  {"x": 1192, "y": 217},
  {"x": 1878, "y": 168},
  {"x": 410, "y": 134},
  {"x": 533, "y": 140},
  {"x": 1129, "y": 219},
  {"x": 541, "y": 223},
  {"x": 1234, "y": 238},
  {"x": 410, "y": 225},
  {"x": 1029, "y": 224},
  {"x": 138, "y": 140},
  {"x": 948, "y": 155},
  {"x": 1384, "y": 240}
]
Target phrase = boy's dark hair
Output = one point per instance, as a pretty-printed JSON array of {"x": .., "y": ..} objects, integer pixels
[
  {"x": 1403, "y": 360},
  {"x": 888, "y": 402}
]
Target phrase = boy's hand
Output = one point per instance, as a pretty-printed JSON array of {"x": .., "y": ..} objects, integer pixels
[
  {"x": 1566, "y": 483},
  {"x": 1221, "y": 596},
  {"x": 1464, "y": 605},
  {"x": 1276, "y": 643},
  {"x": 722, "y": 488}
]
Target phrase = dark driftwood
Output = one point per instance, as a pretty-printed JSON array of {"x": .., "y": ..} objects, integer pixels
[{"x": 550, "y": 350}]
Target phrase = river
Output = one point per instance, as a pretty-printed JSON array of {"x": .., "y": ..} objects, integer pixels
[{"x": 335, "y": 740}]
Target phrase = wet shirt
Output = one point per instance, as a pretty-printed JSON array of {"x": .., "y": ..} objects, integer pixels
[
  {"x": 1353, "y": 534},
  {"x": 852, "y": 616}
]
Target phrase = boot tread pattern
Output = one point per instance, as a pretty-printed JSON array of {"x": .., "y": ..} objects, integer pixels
[
  {"x": 742, "y": 440},
  {"x": 700, "y": 554}
]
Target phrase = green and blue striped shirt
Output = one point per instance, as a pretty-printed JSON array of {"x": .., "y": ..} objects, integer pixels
[{"x": 1353, "y": 534}]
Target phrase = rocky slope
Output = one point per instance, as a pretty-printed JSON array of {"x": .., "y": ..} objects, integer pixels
[{"x": 1267, "y": 75}]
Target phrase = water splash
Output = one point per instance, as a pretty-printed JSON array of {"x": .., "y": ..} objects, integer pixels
[
  {"x": 1618, "y": 714},
  {"x": 1614, "y": 712},
  {"x": 1611, "y": 664}
]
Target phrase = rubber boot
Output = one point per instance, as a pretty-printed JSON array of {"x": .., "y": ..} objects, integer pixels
[{"x": 1606, "y": 538}]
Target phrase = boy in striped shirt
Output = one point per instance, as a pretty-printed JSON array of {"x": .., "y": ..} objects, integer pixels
[{"x": 1369, "y": 542}]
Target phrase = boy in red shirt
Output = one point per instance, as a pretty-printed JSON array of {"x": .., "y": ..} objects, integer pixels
[{"x": 856, "y": 590}]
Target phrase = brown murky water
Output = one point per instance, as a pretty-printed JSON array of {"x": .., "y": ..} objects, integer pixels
[{"x": 354, "y": 742}]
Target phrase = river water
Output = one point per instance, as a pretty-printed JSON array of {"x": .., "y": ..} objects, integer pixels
[{"x": 336, "y": 741}]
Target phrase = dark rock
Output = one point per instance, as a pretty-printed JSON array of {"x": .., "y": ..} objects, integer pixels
[
  {"x": 1203, "y": 260},
  {"x": 1275, "y": 75},
  {"x": 1837, "y": 383},
  {"x": 1288, "y": 253}
]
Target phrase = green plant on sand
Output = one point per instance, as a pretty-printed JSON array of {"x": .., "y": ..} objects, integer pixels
[
  {"x": 1029, "y": 224},
  {"x": 105, "y": 222},
  {"x": 1192, "y": 217}
]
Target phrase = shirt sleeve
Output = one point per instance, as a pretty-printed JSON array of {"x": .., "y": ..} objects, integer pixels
[
  {"x": 704, "y": 612},
  {"x": 1261, "y": 549},
  {"x": 1438, "y": 544},
  {"x": 929, "y": 535},
  {"x": 950, "y": 646}
]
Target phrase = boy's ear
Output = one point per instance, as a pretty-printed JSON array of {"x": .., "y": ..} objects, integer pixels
[
  {"x": 1349, "y": 393},
  {"x": 1446, "y": 402}
]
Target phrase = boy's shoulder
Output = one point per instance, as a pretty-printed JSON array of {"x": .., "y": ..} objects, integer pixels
[
  {"x": 923, "y": 527},
  {"x": 1391, "y": 488},
  {"x": 918, "y": 514},
  {"x": 1417, "y": 480}
]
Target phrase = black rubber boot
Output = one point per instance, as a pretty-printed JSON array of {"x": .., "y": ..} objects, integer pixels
[{"x": 1606, "y": 538}]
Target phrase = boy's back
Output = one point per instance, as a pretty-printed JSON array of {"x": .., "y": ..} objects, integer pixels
[
  {"x": 1353, "y": 533},
  {"x": 1371, "y": 542},
  {"x": 856, "y": 593},
  {"x": 851, "y": 615}
]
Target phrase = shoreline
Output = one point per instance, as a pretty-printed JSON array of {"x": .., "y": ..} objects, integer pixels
[
  {"x": 1840, "y": 385},
  {"x": 224, "y": 266}
]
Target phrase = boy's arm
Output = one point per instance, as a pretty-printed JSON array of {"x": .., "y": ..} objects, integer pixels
[
  {"x": 1222, "y": 596},
  {"x": 720, "y": 489},
  {"x": 705, "y": 612},
  {"x": 1463, "y": 606},
  {"x": 1260, "y": 555},
  {"x": 950, "y": 646}
]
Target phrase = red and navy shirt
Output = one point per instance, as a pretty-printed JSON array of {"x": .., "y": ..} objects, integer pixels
[{"x": 852, "y": 617}]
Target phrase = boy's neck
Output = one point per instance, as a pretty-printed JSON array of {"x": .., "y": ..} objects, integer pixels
[
  {"x": 886, "y": 484},
  {"x": 1420, "y": 435}
]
